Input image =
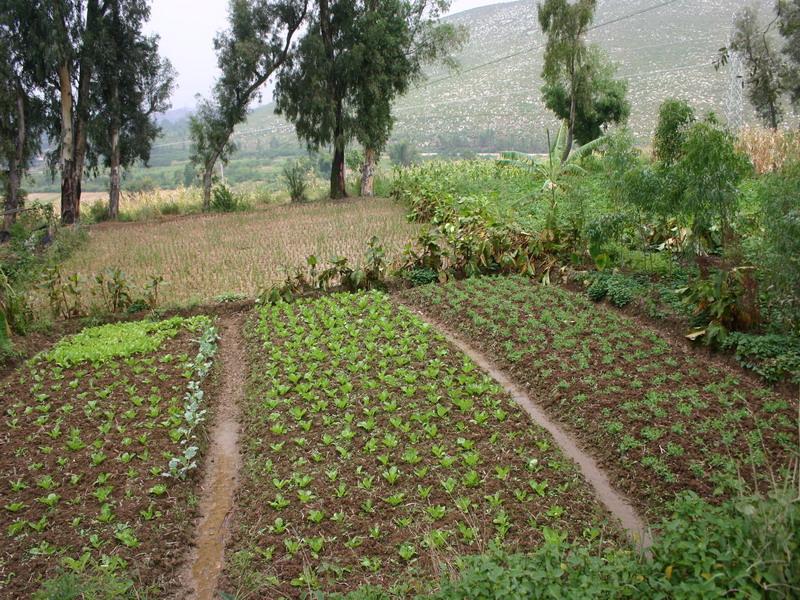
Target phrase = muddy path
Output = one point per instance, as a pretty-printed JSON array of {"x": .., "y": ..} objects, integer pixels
[
  {"x": 617, "y": 504},
  {"x": 205, "y": 563}
]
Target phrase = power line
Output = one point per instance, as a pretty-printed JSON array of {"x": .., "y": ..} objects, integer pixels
[
  {"x": 499, "y": 60},
  {"x": 539, "y": 46}
]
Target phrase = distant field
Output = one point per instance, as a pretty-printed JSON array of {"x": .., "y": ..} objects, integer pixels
[{"x": 203, "y": 256}]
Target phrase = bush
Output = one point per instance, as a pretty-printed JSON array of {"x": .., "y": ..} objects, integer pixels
[
  {"x": 421, "y": 276},
  {"x": 619, "y": 289},
  {"x": 98, "y": 212},
  {"x": 707, "y": 176},
  {"x": 295, "y": 174},
  {"x": 774, "y": 357},
  {"x": 674, "y": 118},
  {"x": 170, "y": 208},
  {"x": 223, "y": 199},
  {"x": 780, "y": 203}
]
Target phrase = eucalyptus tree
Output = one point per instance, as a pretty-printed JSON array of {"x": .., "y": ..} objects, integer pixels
[
  {"x": 123, "y": 126},
  {"x": 566, "y": 24},
  {"x": 413, "y": 33},
  {"x": 22, "y": 110},
  {"x": 257, "y": 43},
  {"x": 355, "y": 58},
  {"x": 789, "y": 27}
]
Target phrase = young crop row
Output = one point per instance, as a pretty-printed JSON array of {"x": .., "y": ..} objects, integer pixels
[
  {"x": 374, "y": 453},
  {"x": 99, "y": 434},
  {"x": 660, "y": 418}
]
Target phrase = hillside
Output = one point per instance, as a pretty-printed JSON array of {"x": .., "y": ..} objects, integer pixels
[
  {"x": 666, "y": 52},
  {"x": 487, "y": 108}
]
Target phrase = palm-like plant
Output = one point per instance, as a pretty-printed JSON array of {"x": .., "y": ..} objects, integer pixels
[{"x": 555, "y": 169}]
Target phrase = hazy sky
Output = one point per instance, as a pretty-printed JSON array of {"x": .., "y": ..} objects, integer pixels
[{"x": 187, "y": 28}]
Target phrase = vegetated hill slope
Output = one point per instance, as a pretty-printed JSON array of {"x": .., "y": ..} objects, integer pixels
[{"x": 666, "y": 52}]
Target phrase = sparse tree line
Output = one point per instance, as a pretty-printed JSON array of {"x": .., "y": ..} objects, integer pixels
[
  {"x": 82, "y": 76},
  {"x": 338, "y": 64}
]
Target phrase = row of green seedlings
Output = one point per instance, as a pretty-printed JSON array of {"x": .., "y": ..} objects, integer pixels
[
  {"x": 194, "y": 414},
  {"x": 110, "y": 291}
]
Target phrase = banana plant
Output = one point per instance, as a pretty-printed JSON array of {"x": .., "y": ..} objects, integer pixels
[{"x": 555, "y": 169}]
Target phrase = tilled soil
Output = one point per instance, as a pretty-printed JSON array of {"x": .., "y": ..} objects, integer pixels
[
  {"x": 106, "y": 502},
  {"x": 658, "y": 417}
]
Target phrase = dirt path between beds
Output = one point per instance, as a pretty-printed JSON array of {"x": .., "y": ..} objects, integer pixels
[{"x": 221, "y": 479}]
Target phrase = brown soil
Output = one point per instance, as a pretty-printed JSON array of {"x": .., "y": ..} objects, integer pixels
[
  {"x": 223, "y": 463},
  {"x": 82, "y": 399},
  {"x": 690, "y": 417},
  {"x": 617, "y": 504}
]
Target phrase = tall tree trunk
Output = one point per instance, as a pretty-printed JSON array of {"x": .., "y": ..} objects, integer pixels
[
  {"x": 338, "y": 182},
  {"x": 338, "y": 189},
  {"x": 208, "y": 172},
  {"x": 114, "y": 191},
  {"x": 368, "y": 173},
  {"x": 68, "y": 198},
  {"x": 15, "y": 165}
]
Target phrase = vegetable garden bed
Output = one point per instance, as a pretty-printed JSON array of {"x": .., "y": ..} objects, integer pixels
[
  {"x": 374, "y": 453},
  {"x": 100, "y": 435},
  {"x": 661, "y": 418}
]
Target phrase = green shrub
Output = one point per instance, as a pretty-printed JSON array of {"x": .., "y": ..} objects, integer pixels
[
  {"x": 619, "y": 289},
  {"x": 295, "y": 175},
  {"x": 674, "y": 118},
  {"x": 598, "y": 289},
  {"x": 170, "y": 208},
  {"x": 98, "y": 212},
  {"x": 779, "y": 197},
  {"x": 223, "y": 199},
  {"x": 421, "y": 276},
  {"x": 774, "y": 357}
]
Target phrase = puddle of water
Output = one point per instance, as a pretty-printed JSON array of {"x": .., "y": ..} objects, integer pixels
[{"x": 614, "y": 502}]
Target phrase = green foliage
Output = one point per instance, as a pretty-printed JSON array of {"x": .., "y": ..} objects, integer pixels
[
  {"x": 118, "y": 340},
  {"x": 600, "y": 99},
  {"x": 779, "y": 199},
  {"x": 708, "y": 174},
  {"x": 421, "y": 276},
  {"x": 403, "y": 153},
  {"x": 369, "y": 276},
  {"x": 725, "y": 301},
  {"x": 703, "y": 551},
  {"x": 774, "y": 357},
  {"x": 295, "y": 175},
  {"x": 675, "y": 117},
  {"x": 619, "y": 289},
  {"x": 224, "y": 199},
  {"x": 555, "y": 170},
  {"x": 98, "y": 212},
  {"x": 92, "y": 584}
]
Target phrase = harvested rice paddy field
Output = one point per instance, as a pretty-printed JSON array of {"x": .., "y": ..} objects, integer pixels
[
  {"x": 204, "y": 256},
  {"x": 661, "y": 417}
]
